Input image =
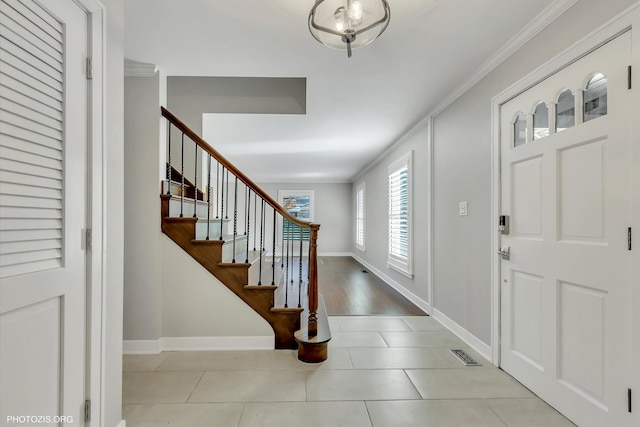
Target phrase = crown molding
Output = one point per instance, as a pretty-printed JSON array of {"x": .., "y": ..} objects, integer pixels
[
  {"x": 539, "y": 23},
  {"x": 138, "y": 69}
]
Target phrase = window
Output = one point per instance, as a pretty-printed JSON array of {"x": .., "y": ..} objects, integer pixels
[
  {"x": 520, "y": 130},
  {"x": 399, "y": 179},
  {"x": 299, "y": 203},
  {"x": 541, "y": 121},
  {"x": 595, "y": 97},
  {"x": 360, "y": 206},
  {"x": 565, "y": 111}
]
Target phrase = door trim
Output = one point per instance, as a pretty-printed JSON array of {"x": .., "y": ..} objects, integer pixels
[
  {"x": 621, "y": 23},
  {"x": 96, "y": 210}
]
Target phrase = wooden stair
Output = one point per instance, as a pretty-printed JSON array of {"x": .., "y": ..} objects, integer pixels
[
  {"x": 284, "y": 321},
  {"x": 282, "y": 296}
]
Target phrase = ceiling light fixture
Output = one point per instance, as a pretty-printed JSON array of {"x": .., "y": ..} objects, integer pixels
[{"x": 348, "y": 24}]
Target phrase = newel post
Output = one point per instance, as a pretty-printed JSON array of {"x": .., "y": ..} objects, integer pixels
[{"x": 313, "y": 281}]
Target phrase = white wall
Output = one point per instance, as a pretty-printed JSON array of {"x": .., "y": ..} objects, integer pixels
[
  {"x": 461, "y": 161},
  {"x": 142, "y": 174},
  {"x": 376, "y": 211},
  {"x": 167, "y": 294}
]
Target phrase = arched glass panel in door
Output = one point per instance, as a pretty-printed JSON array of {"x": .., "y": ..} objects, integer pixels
[
  {"x": 520, "y": 130},
  {"x": 565, "y": 111},
  {"x": 541, "y": 121},
  {"x": 595, "y": 97}
]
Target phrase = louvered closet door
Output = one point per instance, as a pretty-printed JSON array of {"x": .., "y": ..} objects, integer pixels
[{"x": 43, "y": 174}]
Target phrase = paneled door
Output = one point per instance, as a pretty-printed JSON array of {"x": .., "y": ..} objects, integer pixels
[
  {"x": 43, "y": 194},
  {"x": 566, "y": 285}
]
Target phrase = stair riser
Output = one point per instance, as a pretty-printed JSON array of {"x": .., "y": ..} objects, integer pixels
[
  {"x": 227, "y": 249},
  {"x": 187, "y": 209}
]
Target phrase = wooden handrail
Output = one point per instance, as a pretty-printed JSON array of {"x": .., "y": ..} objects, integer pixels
[{"x": 231, "y": 167}]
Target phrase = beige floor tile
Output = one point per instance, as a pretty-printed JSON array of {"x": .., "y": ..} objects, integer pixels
[
  {"x": 333, "y": 324},
  {"x": 432, "y": 413},
  {"x": 422, "y": 339},
  {"x": 395, "y": 358},
  {"x": 251, "y": 386},
  {"x": 283, "y": 360},
  {"x": 317, "y": 414},
  {"x": 209, "y": 361},
  {"x": 527, "y": 413},
  {"x": 360, "y": 385},
  {"x": 183, "y": 414},
  {"x": 372, "y": 324},
  {"x": 356, "y": 339},
  {"x": 142, "y": 362},
  {"x": 158, "y": 387},
  {"x": 468, "y": 383},
  {"x": 423, "y": 323}
]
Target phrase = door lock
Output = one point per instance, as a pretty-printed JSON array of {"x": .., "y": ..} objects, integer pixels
[{"x": 505, "y": 253}]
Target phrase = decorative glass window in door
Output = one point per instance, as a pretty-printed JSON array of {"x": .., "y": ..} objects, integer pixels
[
  {"x": 540, "y": 121},
  {"x": 520, "y": 130},
  {"x": 565, "y": 111},
  {"x": 595, "y": 97}
]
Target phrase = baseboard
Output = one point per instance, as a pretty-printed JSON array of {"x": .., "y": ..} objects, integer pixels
[
  {"x": 197, "y": 344},
  {"x": 419, "y": 302},
  {"x": 482, "y": 348},
  {"x": 122, "y": 423},
  {"x": 329, "y": 254},
  {"x": 141, "y": 347}
]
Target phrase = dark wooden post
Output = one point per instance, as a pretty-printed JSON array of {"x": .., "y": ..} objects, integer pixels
[{"x": 313, "y": 281}]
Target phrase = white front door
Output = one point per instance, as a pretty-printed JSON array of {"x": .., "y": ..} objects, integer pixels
[
  {"x": 43, "y": 193},
  {"x": 566, "y": 287}
]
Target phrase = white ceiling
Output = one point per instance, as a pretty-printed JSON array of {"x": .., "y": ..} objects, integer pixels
[{"x": 356, "y": 107}]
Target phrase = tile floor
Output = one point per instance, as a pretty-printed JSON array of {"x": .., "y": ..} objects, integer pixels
[{"x": 381, "y": 372}]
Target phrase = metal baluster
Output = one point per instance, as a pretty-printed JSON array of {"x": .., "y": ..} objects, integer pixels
[
  {"x": 286, "y": 274},
  {"x": 222, "y": 202},
  {"x": 261, "y": 235},
  {"x": 195, "y": 187},
  {"x": 217, "y": 185},
  {"x": 291, "y": 243},
  {"x": 227, "y": 215},
  {"x": 255, "y": 218},
  {"x": 208, "y": 197},
  {"x": 169, "y": 158},
  {"x": 282, "y": 246},
  {"x": 182, "y": 179},
  {"x": 248, "y": 209},
  {"x": 300, "y": 271},
  {"x": 273, "y": 254},
  {"x": 235, "y": 218}
]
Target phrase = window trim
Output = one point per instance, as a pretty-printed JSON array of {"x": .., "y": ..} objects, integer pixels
[
  {"x": 400, "y": 264},
  {"x": 362, "y": 187}
]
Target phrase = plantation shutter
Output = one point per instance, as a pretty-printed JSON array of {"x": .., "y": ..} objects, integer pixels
[
  {"x": 31, "y": 138},
  {"x": 360, "y": 217},
  {"x": 399, "y": 213}
]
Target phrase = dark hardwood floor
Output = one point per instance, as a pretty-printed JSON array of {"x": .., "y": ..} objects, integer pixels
[{"x": 350, "y": 290}]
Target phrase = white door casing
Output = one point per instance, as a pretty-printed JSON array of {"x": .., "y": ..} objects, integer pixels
[
  {"x": 43, "y": 175},
  {"x": 566, "y": 290}
]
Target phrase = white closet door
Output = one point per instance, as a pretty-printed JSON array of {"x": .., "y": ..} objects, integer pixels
[{"x": 43, "y": 174}]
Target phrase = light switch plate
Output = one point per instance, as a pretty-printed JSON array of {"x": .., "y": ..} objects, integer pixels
[{"x": 462, "y": 208}]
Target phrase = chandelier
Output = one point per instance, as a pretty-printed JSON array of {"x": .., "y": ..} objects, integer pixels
[{"x": 348, "y": 24}]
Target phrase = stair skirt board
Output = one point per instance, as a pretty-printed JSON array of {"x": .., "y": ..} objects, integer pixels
[{"x": 197, "y": 344}]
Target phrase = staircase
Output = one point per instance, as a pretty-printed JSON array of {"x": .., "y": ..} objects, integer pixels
[{"x": 246, "y": 239}]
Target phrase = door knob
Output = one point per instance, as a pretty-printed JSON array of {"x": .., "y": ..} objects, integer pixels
[{"x": 504, "y": 253}]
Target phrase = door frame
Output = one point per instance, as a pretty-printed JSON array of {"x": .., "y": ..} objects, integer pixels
[
  {"x": 624, "y": 21},
  {"x": 96, "y": 210}
]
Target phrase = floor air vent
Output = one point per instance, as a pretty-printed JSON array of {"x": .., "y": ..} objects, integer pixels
[{"x": 464, "y": 358}]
